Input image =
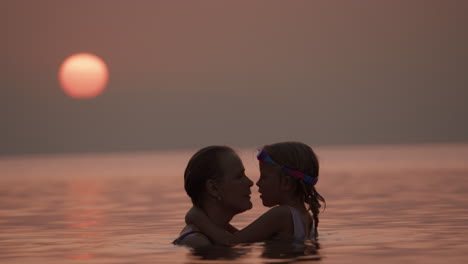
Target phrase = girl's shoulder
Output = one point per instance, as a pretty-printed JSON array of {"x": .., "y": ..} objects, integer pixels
[
  {"x": 280, "y": 209},
  {"x": 276, "y": 222},
  {"x": 278, "y": 213}
]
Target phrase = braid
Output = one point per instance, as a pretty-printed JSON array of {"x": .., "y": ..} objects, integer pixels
[{"x": 313, "y": 199}]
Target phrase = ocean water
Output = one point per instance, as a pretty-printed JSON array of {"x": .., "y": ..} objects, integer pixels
[{"x": 385, "y": 204}]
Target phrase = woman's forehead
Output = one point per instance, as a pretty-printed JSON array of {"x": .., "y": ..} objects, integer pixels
[{"x": 231, "y": 161}]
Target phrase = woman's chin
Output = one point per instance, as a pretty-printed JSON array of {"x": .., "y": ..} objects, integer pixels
[
  {"x": 248, "y": 206},
  {"x": 245, "y": 206}
]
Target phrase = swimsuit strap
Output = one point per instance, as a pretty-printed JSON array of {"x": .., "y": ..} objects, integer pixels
[
  {"x": 299, "y": 232},
  {"x": 184, "y": 235}
]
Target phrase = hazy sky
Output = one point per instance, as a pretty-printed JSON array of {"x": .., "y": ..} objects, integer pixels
[{"x": 185, "y": 74}]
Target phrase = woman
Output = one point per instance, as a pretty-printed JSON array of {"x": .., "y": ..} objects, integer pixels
[{"x": 216, "y": 182}]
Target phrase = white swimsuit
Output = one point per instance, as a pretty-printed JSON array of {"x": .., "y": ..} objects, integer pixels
[{"x": 299, "y": 232}]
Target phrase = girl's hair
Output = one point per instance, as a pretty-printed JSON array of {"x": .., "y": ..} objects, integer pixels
[
  {"x": 203, "y": 166},
  {"x": 300, "y": 157}
]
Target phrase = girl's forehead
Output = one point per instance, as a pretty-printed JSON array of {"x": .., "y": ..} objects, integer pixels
[{"x": 268, "y": 166}]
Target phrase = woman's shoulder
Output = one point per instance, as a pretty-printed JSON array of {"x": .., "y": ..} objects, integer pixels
[{"x": 192, "y": 237}]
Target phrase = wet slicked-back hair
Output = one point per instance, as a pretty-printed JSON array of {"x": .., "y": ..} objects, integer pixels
[
  {"x": 300, "y": 157},
  {"x": 204, "y": 165}
]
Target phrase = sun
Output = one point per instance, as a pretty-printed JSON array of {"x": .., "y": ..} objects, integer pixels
[{"x": 83, "y": 75}]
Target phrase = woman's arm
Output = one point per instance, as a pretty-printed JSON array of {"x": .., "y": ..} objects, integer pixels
[
  {"x": 265, "y": 227},
  {"x": 197, "y": 217}
]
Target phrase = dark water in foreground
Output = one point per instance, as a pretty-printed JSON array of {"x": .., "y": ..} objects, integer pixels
[{"x": 385, "y": 204}]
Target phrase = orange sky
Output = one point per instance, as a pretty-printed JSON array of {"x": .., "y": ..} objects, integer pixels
[{"x": 185, "y": 74}]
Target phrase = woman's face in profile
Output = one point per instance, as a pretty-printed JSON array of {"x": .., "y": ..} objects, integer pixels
[{"x": 235, "y": 185}]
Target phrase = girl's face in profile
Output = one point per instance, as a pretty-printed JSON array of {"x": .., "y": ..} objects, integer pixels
[
  {"x": 269, "y": 184},
  {"x": 235, "y": 185}
]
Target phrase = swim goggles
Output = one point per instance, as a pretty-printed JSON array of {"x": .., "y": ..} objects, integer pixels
[{"x": 264, "y": 157}]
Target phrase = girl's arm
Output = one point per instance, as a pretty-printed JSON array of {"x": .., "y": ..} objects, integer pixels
[
  {"x": 232, "y": 229},
  {"x": 265, "y": 227}
]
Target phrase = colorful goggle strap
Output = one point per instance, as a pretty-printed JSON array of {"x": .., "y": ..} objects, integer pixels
[{"x": 264, "y": 157}]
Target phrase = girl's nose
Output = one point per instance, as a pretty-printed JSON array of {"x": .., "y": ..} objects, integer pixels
[{"x": 258, "y": 183}]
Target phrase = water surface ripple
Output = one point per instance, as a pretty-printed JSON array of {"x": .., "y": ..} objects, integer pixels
[{"x": 385, "y": 204}]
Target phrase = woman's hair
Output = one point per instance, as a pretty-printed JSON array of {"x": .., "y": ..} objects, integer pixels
[
  {"x": 203, "y": 166},
  {"x": 300, "y": 157}
]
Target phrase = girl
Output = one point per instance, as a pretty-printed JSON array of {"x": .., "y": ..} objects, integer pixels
[{"x": 288, "y": 174}]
